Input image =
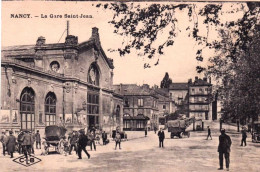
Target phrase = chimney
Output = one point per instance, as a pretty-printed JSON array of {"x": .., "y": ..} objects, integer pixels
[
  {"x": 95, "y": 33},
  {"x": 146, "y": 86},
  {"x": 189, "y": 81},
  {"x": 196, "y": 78},
  {"x": 40, "y": 41},
  {"x": 205, "y": 79}
]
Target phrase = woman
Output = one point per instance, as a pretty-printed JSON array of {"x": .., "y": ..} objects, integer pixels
[{"x": 11, "y": 141}]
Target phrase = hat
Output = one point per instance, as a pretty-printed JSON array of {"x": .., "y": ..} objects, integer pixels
[{"x": 10, "y": 132}]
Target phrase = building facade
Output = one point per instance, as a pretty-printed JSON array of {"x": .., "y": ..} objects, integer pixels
[
  {"x": 200, "y": 103},
  {"x": 140, "y": 106},
  {"x": 69, "y": 84}
]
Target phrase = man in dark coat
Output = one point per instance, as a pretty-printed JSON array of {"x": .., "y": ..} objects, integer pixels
[
  {"x": 11, "y": 141},
  {"x": 244, "y": 136},
  {"x": 73, "y": 142},
  {"x": 26, "y": 143},
  {"x": 209, "y": 133},
  {"x": 19, "y": 139},
  {"x": 3, "y": 140},
  {"x": 224, "y": 149},
  {"x": 82, "y": 143},
  {"x": 161, "y": 137},
  {"x": 38, "y": 140},
  {"x": 104, "y": 138}
]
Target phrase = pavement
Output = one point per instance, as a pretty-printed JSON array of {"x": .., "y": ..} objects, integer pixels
[{"x": 141, "y": 154}]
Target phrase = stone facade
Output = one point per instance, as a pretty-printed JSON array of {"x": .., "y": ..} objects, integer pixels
[
  {"x": 67, "y": 84},
  {"x": 140, "y": 106}
]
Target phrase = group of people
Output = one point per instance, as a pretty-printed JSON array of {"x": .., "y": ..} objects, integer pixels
[{"x": 24, "y": 143}]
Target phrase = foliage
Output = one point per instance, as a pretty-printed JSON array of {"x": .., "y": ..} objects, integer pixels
[
  {"x": 235, "y": 62},
  {"x": 166, "y": 82}
]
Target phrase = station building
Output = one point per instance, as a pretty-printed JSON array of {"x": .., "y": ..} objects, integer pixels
[{"x": 69, "y": 84}]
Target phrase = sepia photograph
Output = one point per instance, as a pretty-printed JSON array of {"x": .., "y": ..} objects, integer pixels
[{"x": 136, "y": 86}]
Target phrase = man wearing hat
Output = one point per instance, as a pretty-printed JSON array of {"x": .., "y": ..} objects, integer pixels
[
  {"x": 3, "y": 140},
  {"x": 26, "y": 143},
  {"x": 38, "y": 140},
  {"x": 224, "y": 149},
  {"x": 82, "y": 143},
  {"x": 11, "y": 140}
]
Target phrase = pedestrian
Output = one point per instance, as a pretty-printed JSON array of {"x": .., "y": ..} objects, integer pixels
[
  {"x": 161, "y": 137},
  {"x": 145, "y": 132},
  {"x": 244, "y": 136},
  {"x": 32, "y": 141},
  {"x": 4, "y": 140},
  {"x": 19, "y": 139},
  {"x": 118, "y": 140},
  {"x": 209, "y": 133},
  {"x": 155, "y": 129},
  {"x": 82, "y": 143},
  {"x": 73, "y": 142},
  {"x": 10, "y": 144},
  {"x": 26, "y": 143},
  {"x": 104, "y": 138},
  {"x": 224, "y": 149},
  {"x": 38, "y": 140},
  {"x": 92, "y": 140}
]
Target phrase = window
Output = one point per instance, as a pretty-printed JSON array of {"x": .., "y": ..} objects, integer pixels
[
  {"x": 126, "y": 102},
  {"x": 164, "y": 106},
  {"x": 27, "y": 104},
  {"x": 50, "y": 109},
  {"x": 127, "y": 124},
  {"x": 141, "y": 102},
  {"x": 193, "y": 90},
  {"x": 118, "y": 114},
  {"x": 139, "y": 124},
  {"x": 93, "y": 75},
  {"x": 93, "y": 103},
  {"x": 200, "y": 89},
  {"x": 170, "y": 95}
]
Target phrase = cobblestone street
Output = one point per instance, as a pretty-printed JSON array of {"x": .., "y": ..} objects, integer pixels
[{"x": 141, "y": 153}]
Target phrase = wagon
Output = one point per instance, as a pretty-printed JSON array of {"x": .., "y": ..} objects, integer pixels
[
  {"x": 53, "y": 135},
  {"x": 256, "y": 132},
  {"x": 177, "y": 128}
]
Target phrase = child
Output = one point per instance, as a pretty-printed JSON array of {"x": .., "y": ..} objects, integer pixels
[
  {"x": 44, "y": 148},
  {"x": 64, "y": 146}
]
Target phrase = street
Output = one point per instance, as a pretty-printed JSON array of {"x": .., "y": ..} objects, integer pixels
[{"x": 141, "y": 153}]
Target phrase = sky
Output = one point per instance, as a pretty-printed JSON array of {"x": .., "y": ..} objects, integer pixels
[{"x": 179, "y": 60}]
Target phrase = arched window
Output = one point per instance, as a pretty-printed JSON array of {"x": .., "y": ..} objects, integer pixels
[
  {"x": 50, "y": 109},
  {"x": 93, "y": 75},
  {"x": 27, "y": 104}
]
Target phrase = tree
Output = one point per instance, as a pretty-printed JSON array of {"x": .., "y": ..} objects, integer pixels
[
  {"x": 227, "y": 29},
  {"x": 167, "y": 81}
]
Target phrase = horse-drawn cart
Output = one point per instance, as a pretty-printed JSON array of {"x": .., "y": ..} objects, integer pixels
[
  {"x": 53, "y": 135},
  {"x": 177, "y": 128}
]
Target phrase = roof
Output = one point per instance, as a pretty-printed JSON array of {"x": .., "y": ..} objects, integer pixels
[
  {"x": 179, "y": 86},
  {"x": 200, "y": 82},
  {"x": 28, "y": 51},
  {"x": 133, "y": 89}
]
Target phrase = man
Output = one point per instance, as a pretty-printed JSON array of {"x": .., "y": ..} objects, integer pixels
[
  {"x": 26, "y": 143},
  {"x": 32, "y": 141},
  {"x": 209, "y": 133},
  {"x": 118, "y": 140},
  {"x": 104, "y": 138},
  {"x": 19, "y": 138},
  {"x": 244, "y": 136},
  {"x": 224, "y": 149},
  {"x": 155, "y": 129},
  {"x": 92, "y": 140},
  {"x": 161, "y": 137},
  {"x": 145, "y": 132},
  {"x": 73, "y": 141},
  {"x": 10, "y": 144},
  {"x": 3, "y": 140},
  {"x": 38, "y": 140},
  {"x": 82, "y": 143}
]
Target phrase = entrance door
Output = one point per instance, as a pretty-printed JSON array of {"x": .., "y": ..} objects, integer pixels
[
  {"x": 27, "y": 109},
  {"x": 91, "y": 121}
]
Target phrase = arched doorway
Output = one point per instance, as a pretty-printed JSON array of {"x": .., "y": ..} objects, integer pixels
[
  {"x": 50, "y": 109},
  {"x": 27, "y": 109}
]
